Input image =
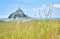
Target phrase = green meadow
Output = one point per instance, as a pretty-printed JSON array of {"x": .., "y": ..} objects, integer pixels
[{"x": 35, "y": 29}]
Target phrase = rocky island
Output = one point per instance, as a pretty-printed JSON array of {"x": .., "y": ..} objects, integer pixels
[{"x": 18, "y": 16}]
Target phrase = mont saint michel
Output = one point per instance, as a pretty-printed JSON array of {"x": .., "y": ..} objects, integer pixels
[{"x": 18, "y": 15}]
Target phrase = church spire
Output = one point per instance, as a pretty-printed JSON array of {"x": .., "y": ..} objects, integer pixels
[{"x": 19, "y": 9}]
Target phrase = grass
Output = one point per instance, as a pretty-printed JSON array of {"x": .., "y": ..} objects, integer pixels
[{"x": 36, "y": 29}]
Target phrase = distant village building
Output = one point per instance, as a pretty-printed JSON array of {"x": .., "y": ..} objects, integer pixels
[{"x": 18, "y": 16}]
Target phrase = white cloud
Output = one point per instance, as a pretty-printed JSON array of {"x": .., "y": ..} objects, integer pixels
[
  {"x": 41, "y": 8},
  {"x": 56, "y": 6},
  {"x": 3, "y": 16},
  {"x": 52, "y": 5}
]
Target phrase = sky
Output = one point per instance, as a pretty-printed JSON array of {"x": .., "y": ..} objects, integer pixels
[{"x": 30, "y": 7}]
